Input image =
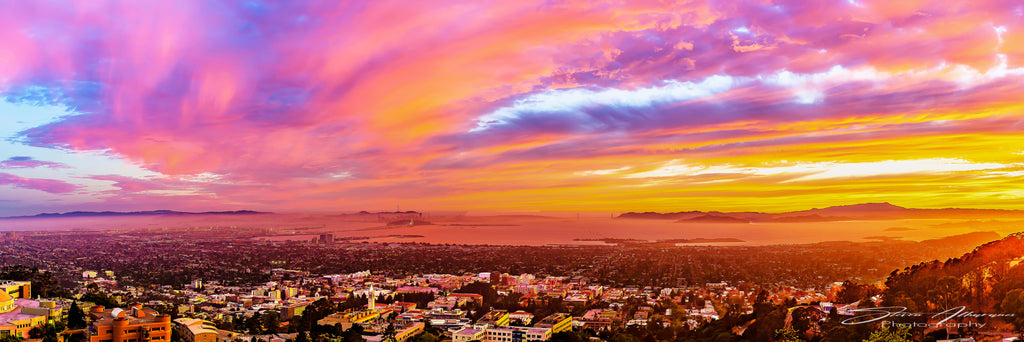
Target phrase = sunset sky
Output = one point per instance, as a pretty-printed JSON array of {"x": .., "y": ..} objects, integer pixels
[{"x": 321, "y": 106}]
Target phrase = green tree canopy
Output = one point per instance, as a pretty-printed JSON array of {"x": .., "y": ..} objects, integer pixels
[
  {"x": 76, "y": 317},
  {"x": 887, "y": 334}
]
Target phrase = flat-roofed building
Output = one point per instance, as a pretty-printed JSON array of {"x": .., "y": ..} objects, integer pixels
[
  {"x": 495, "y": 318},
  {"x": 402, "y": 333},
  {"x": 347, "y": 319},
  {"x": 134, "y": 324},
  {"x": 516, "y": 334},
  {"x": 468, "y": 334},
  {"x": 17, "y": 289},
  {"x": 557, "y": 322},
  {"x": 520, "y": 318},
  {"x": 19, "y": 313}
]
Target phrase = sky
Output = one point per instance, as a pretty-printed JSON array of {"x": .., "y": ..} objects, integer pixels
[{"x": 325, "y": 106}]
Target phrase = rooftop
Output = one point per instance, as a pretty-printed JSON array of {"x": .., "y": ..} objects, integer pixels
[{"x": 107, "y": 316}]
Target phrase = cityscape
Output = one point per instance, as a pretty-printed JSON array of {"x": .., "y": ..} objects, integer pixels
[{"x": 511, "y": 171}]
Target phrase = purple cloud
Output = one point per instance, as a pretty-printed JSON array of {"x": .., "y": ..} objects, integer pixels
[
  {"x": 52, "y": 186},
  {"x": 24, "y": 162}
]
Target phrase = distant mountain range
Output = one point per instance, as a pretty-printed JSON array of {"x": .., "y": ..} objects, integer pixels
[
  {"x": 133, "y": 213},
  {"x": 865, "y": 211}
]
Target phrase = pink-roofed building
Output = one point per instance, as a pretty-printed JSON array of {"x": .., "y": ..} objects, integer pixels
[{"x": 19, "y": 313}]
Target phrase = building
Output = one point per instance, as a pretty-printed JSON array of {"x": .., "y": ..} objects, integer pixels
[
  {"x": 134, "y": 324},
  {"x": 599, "y": 319},
  {"x": 347, "y": 319},
  {"x": 293, "y": 310},
  {"x": 17, "y": 289},
  {"x": 474, "y": 297},
  {"x": 520, "y": 318},
  {"x": 326, "y": 238},
  {"x": 401, "y": 334},
  {"x": 558, "y": 322},
  {"x": 468, "y": 334},
  {"x": 501, "y": 334},
  {"x": 197, "y": 330},
  {"x": 495, "y": 318},
  {"x": 516, "y": 334},
  {"x": 19, "y": 313}
]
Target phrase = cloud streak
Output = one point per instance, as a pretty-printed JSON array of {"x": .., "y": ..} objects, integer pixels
[
  {"x": 48, "y": 185},
  {"x": 23, "y": 162}
]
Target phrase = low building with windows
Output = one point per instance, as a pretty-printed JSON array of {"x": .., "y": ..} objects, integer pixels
[
  {"x": 495, "y": 318},
  {"x": 402, "y": 333},
  {"x": 516, "y": 334},
  {"x": 134, "y": 324},
  {"x": 347, "y": 319},
  {"x": 468, "y": 334},
  {"x": 501, "y": 334},
  {"x": 558, "y": 322}
]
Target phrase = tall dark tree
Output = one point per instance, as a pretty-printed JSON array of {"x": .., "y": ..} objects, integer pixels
[
  {"x": 76, "y": 317},
  {"x": 302, "y": 337},
  {"x": 389, "y": 334}
]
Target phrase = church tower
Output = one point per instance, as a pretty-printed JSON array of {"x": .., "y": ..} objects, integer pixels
[{"x": 372, "y": 305}]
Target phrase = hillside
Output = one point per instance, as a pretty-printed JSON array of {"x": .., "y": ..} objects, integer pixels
[
  {"x": 863, "y": 211},
  {"x": 979, "y": 279},
  {"x": 134, "y": 213}
]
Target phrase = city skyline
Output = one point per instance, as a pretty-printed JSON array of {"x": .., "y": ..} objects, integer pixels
[{"x": 509, "y": 106}]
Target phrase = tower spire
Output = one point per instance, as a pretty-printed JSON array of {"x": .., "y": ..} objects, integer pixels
[{"x": 372, "y": 304}]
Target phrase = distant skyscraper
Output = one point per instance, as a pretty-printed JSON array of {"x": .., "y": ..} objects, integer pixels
[{"x": 326, "y": 238}]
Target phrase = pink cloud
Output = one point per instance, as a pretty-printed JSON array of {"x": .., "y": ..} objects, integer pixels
[
  {"x": 48, "y": 185},
  {"x": 305, "y": 101}
]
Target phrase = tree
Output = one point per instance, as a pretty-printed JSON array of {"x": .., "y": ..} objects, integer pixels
[
  {"x": 569, "y": 336},
  {"x": 50, "y": 338},
  {"x": 353, "y": 334},
  {"x": 271, "y": 322},
  {"x": 424, "y": 337},
  {"x": 302, "y": 337},
  {"x": 76, "y": 317},
  {"x": 389, "y": 334},
  {"x": 1013, "y": 303},
  {"x": 621, "y": 337},
  {"x": 100, "y": 299},
  {"x": 885, "y": 334},
  {"x": 787, "y": 335},
  {"x": 490, "y": 295},
  {"x": 946, "y": 292},
  {"x": 76, "y": 337},
  {"x": 849, "y": 293},
  {"x": 35, "y": 332}
]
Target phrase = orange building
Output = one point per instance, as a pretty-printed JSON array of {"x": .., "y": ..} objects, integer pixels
[{"x": 134, "y": 324}]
